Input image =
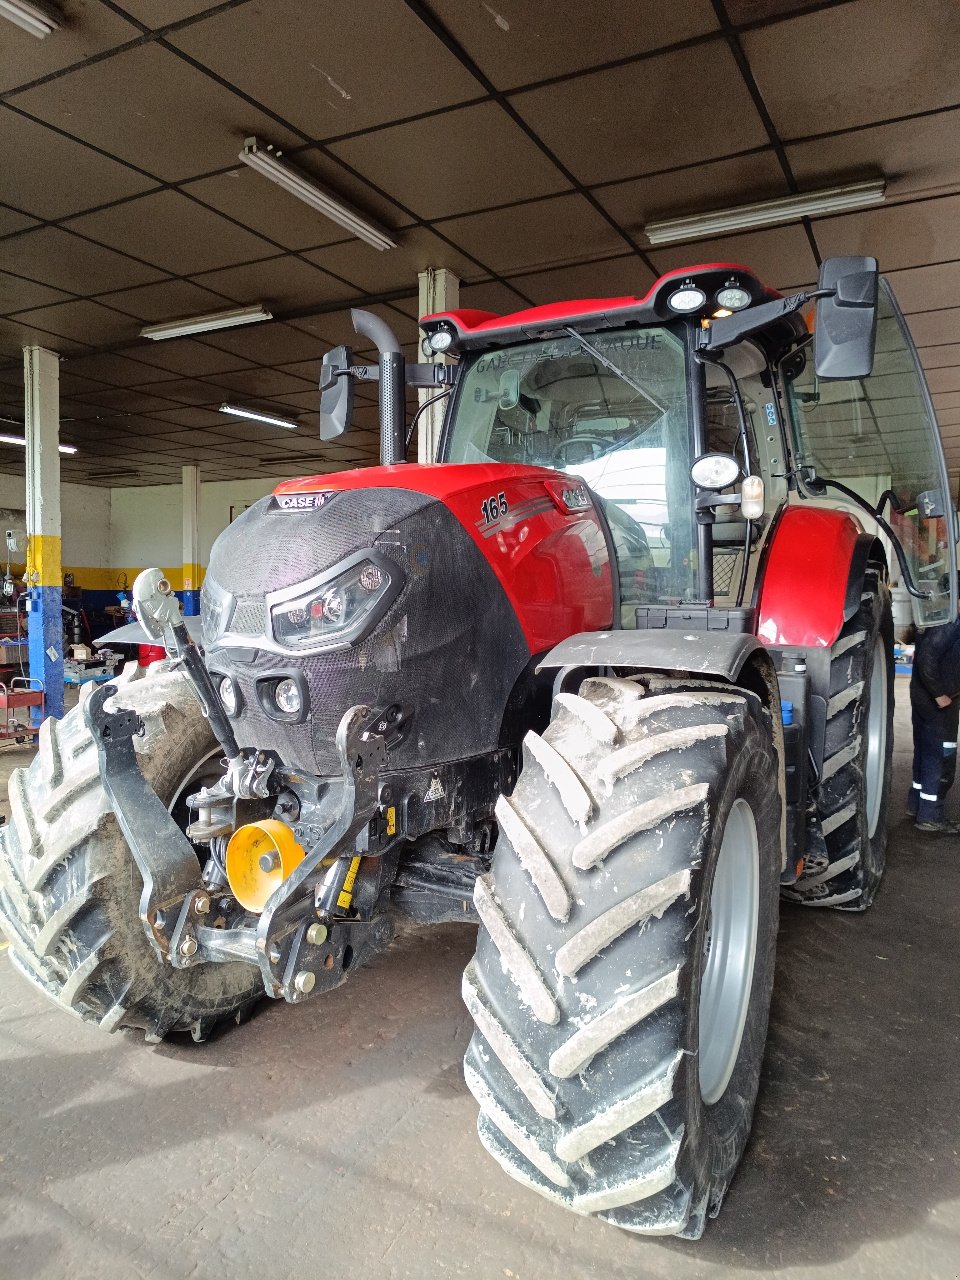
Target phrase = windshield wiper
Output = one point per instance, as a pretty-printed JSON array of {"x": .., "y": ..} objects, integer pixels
[{"x": 608, "y": 364}]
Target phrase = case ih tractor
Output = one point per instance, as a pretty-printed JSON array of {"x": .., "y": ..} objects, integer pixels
[{"x": 608, "y": 680}]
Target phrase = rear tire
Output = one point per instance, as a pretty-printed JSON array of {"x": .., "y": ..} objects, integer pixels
[
  {"x": 846, "y": 854},
  {"x": 70, "y": 889},
  {"x": 588, "y": 989}
]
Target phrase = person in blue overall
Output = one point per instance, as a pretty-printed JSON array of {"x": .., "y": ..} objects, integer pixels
[{"x": 935, "y": 707}]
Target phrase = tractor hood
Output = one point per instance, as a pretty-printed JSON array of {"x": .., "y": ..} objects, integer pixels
[{"x": 369, "y": 595}]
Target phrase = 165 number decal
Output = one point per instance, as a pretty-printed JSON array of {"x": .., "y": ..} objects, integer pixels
[{"x": 495, "y": 507}]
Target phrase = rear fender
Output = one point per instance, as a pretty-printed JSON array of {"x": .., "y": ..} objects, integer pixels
[{"x": 813, "y": 576}]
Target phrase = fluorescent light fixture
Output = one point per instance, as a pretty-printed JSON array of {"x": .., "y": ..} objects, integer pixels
[
  {"x": 284, "y": 175},
  {"x": 206, "y": 323},
  {"x": 768, "y": 213},
  {"x": 257, "y": 415},
  {"x": 39, "y": 19},
  {"x": 64, "y": 448}
]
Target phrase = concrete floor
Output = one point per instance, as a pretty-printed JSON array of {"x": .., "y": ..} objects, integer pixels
[{"x": 338, "y": 1139}]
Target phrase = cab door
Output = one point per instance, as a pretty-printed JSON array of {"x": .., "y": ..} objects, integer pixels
[{"x": 878, "y": 436}]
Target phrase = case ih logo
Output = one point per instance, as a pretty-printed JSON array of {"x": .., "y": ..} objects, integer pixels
[
  {"x": 575, "y": 499},
  {"x": 301, "y": 501}
]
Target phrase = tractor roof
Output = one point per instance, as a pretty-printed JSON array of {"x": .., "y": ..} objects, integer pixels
[{"x": 471, "y": 329}]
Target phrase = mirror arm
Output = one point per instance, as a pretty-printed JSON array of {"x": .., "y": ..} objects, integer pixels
[
  {"x": 732, "y": 329},
  {"x": 417, "y": 375},
  {"x": 811, "y": 479}
]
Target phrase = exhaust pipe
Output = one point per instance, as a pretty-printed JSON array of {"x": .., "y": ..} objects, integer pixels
[{"x": 393, "y": 429}]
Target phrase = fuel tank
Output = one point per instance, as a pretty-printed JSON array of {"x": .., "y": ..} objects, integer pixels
[{"x": 477, "y": 569}]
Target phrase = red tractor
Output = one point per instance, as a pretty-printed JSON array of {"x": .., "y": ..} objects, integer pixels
[{"x": 608, "y": 680}]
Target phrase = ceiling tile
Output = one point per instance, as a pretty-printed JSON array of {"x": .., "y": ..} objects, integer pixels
[
  {"x": 283, "y": 283},
  {"x": 946, "y": 356},
  {"x": 183, "y": 390},
  {"x": 917, "y": 157},
  {"x": 848, "y": 65},
  {"x": 186, "y": 357},
  {"x": 89, "y": 28},
  {"x": 130, "y": 401},
  {"x": 188, "y": 416},
  {"x": 69, "y": 262},
  {"x": 85, "y": 322},
  {"x": 630, "y": 121},
  {"x": 781, "y": 257},
  {"x": 15, "y": 335},
  {"x": 368, "y": 270},
  {"x": 117, "y": 370},
  {"x": 167, "y": 117},
  {"x": 259, "y": 382},
  {"x": 160, "y": 13},
  {"x": 17, "y": 294},
  {"x": 744, "y": 11},
  {"x": 900, "y": 235},
  {"x": 173, "y": 233},
  {"x": 544, "y": 233},
  {"x": 624, "y": 276},
  {"x": 264, "y": 207},
  {"x": 271, "y": 343},
  {"x": 926, "y": 288},
  {"x": 519, "y": 41},
  {"x": 54, "y": 176},
  {"x": 319, "y": 74},
  {"x": 943, "y": 380},
  {"x": 493, "y": 296},
  {"x": 154, "y": 302},
  {"x": 12, "y": 220},
  {"x": 936, "y": 327},
  {"x": 423, "y": 164},
  {"x": 698, "y": 189}
]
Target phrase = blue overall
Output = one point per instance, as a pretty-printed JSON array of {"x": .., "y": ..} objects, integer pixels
[{"x": 936, "y": 673}]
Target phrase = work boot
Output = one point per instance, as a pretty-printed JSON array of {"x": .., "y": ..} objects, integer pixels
[{"x": 939, "y": 828}]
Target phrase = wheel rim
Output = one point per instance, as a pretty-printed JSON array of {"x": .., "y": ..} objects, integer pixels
[
  {"x": 876, "y": 739},
  {"x": 729, "y": 951}
]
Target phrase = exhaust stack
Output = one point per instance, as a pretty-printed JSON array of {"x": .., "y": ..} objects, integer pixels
[{"x": 393, "y": 435}]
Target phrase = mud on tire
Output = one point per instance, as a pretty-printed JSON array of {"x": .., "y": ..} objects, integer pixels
[
  {"x": 70, "y": 889},
  {"x": 846, "y": 850},
  {"x": 585, "y": 988}
]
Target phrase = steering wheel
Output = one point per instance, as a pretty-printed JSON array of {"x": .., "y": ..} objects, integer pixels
[{"x": 561, "y": 448}]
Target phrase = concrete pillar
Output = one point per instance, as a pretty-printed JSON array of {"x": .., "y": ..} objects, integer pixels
[
  {"x": 41, "y": 379},
  {"x": 191, "y": 541},
  {"x": 439, "y": 291}
]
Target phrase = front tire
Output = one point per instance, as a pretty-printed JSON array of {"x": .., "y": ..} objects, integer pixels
[
  {"x": 617, "y": 1052},
  {"x": 70, "y": 889}
]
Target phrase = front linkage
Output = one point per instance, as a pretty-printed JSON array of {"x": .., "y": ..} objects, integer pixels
[{"x": 313, "y": 927}]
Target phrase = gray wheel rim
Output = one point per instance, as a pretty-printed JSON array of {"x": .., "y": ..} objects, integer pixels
[
  {"x": 730, "y": 948},
  {"x": 876, "y": 739}
]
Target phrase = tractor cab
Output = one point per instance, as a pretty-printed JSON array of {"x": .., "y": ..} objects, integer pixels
[{"x": 693, "y": 445}]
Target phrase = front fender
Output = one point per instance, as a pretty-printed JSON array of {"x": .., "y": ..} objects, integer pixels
[{"x": 813, "y": 576}]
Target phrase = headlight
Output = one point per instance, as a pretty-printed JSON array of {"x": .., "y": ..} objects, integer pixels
[
  {"x": 287, "y": 697},
  {"x": 337, "y": 612},
  {"x": 228, "y": 696}
]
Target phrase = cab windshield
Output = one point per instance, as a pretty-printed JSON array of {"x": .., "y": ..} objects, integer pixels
[{"x": 613, "y": 409}]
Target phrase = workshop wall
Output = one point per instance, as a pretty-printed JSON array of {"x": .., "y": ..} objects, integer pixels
[
  {"x": 85, "y": 520},
  {"x": 146, "y": 525}
]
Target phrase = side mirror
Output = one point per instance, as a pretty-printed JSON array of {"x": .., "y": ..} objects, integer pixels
[
  {"x": 336, "y": 393},
  {"x": 846, "y": 326}
]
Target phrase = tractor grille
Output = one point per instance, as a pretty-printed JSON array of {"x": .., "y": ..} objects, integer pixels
[{"x": 249, "y": 618}]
